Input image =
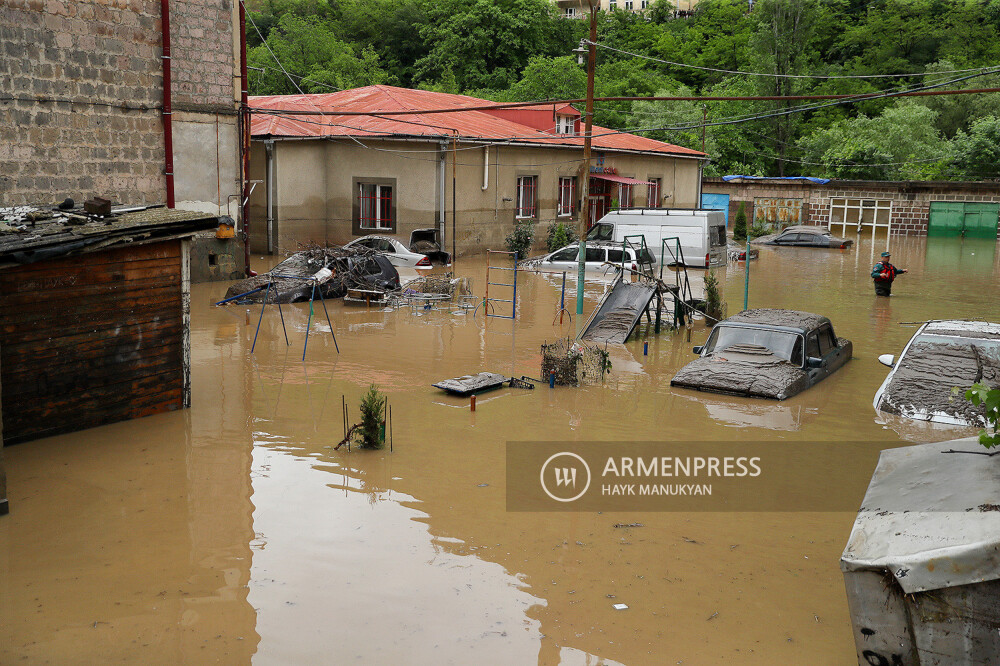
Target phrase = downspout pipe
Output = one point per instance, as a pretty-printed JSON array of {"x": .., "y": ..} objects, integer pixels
[
  {"x": 168, "y": 133},
  {"x": 486, "y": 167},
  {"x": 244, "y": 140}
]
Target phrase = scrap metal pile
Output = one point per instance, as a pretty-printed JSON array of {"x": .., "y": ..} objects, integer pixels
[
  {"x": 573, "y": 362},
  {"x": 335, "y": 269}
]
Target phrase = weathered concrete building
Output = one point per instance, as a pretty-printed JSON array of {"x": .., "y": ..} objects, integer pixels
[
  {"x": 334, "y": 167},
  {"x": 908, "y": 208},
  {"x": 83, "y": 108}
]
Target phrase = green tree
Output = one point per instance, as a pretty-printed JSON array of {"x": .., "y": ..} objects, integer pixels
[
  {"x": 902, "y": 143},
  {"x": 740, "y": 224},
  {"x": 314, "y": 59},
  {"x": 982, "y": 395},
  {"x": 977, "y": 153}
]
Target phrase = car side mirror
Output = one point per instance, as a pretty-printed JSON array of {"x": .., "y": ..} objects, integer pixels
[
  {"x": 697, "y": 350},
  {"x": 814, "y": 362},
  {"x": 887, "y": 360}
]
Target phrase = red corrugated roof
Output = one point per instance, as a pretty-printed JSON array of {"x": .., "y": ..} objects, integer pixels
[{"x": 469, "y": 124}]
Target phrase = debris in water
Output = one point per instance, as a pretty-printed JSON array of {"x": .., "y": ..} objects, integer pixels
[
  {"x": 482, "y": 485},
  {"x": 690, "y": 540},
  {"x": 618, "y": 526},
  {"x": 620, "y": 607},
  {"x": 712, "y": 616}
]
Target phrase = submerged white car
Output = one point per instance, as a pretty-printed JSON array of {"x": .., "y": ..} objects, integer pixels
[
  {"x": 940, "y": 356},
  {"x": 397, "y": 253},
  {"x": 601, "y": 256}
]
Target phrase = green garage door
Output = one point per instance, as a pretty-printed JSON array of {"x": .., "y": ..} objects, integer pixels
[{"x": 963, "y": 219}]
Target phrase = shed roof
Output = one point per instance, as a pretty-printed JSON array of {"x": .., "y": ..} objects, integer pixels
[
  {"x": 929, "y": 517},
  {"x": 29, "y": 234},
  {"x": 481, "y": 124}
]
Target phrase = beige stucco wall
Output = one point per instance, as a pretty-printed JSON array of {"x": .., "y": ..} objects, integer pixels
[{"x": 314, "y": 187}]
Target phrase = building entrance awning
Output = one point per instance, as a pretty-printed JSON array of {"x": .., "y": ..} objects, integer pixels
[{"x": 620, "y": 179}]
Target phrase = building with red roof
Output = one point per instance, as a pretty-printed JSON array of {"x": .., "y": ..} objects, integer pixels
[{"x": 386, "y": 160}]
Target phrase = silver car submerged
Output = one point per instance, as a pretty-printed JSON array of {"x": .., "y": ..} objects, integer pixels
[{"x": 940, "y": 356}]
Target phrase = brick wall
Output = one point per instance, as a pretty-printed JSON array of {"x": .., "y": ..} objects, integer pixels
[
  {"x": 81, "y": 91},
  {"x": 911, "y": 200}
]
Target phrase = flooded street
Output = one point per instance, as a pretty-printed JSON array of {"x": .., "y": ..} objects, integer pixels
[{"x": 233, "y": 532}]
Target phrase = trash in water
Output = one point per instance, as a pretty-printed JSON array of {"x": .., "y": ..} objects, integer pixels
[{"x": 619, "y": 607}]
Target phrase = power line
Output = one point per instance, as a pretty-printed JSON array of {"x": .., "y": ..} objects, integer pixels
[{"x": 778, "y": 76}]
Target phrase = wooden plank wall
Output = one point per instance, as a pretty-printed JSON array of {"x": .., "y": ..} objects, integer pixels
[{"x": 92, "y": 339}]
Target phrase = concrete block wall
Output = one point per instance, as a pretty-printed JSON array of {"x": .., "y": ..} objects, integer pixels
[
  {"x": 911, "y": 200},
  {"x": 81, "y": 82}
]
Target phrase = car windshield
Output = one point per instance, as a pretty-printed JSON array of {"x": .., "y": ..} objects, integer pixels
[
  {"x": 601, "y": 232},
  {"x": 782, "y": 344},
  {"x": 991, "y": 347}
]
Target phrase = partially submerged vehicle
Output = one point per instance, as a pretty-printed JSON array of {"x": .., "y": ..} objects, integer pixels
[
  {"x": 766, "y": 353},
  {"x": 804, "y": 235},
  {"x": 602, "y": 256},
  {"x": 428, "y": 243},
  {"x": 397, "y": 253},
  {"x": 940, "y": 356}
]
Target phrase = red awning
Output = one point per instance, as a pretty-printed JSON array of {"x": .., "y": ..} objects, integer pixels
[{"x": 620, "y": 179}]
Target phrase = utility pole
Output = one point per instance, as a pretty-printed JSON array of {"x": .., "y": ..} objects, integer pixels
[{"x": 583, "y": 181}]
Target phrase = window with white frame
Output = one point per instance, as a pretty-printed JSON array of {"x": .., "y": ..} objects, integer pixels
[
  {"x": 645, "y": 3},
  {"x": 565, "y": 124},
  {"x": 624, "y": 195},
  {"x": 629, "y": 5},
  {"x": 653, "y": 193},
  {"x": 374, "y": 205},
  {"x": 570, "y": 12},
  {"x": 527, "y": 193},
  {"x": 612, "y": 4},
  {"x": 857, "y": 215},
  {"x": 567, "y": 196}
]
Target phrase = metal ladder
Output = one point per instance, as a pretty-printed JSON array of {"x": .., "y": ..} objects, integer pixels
[
  {"x": 488, "y": 302},
  {"x": 682, "y": 286},
  {"x": 641, "y": 252}
]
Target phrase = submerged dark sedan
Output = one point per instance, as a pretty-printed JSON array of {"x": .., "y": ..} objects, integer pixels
[
  {"x": 766, "y": 353},
  {"x": 804, "y": 235}
]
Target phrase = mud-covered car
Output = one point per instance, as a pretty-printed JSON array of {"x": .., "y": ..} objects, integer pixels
[
  {"x": 940, "y": 356},
  {"x": 766, "y": 353},
  {"x": 804, "y": 235}
]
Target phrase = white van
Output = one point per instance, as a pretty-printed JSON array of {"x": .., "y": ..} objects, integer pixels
[{"x": 702, "y": 233}]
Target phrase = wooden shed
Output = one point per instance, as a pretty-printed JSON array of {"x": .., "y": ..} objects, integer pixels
[{"x": 94, "y": 318}]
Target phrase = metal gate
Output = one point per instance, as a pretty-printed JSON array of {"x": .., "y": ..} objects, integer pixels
[
  {"x": 716, "y": 202},
  {"x": 963, "y": 219}
]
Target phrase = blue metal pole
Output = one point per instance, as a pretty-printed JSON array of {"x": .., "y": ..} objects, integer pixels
[
  {"x": 263, "y": 305},
  {"x": 746, "y": 278},
  {"x": 309, "y": 320},
  {"x": 329, "y": 323}
]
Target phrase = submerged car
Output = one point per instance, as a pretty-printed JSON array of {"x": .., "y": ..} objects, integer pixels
[
  {"x": 766, "y": 353},
  {"x": 397, "y": 253},
  {"x": 941, "y": 355},
  {"x": 804, "y": 235},
  {"x": 599, "y": 255}
]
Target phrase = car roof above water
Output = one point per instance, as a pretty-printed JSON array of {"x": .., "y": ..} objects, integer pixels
[
  {"x": 779, "y": 320},
  {"x": 963, "y": 328},
  {"x": 806, "y": 228}
]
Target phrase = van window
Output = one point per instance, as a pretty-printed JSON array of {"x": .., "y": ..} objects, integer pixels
[
  {"x": 615, "y": 256},
  {"x": 595, "y": 254},
  {"x": 603, "y": 232},
  {"x": 717, "y": 236}
]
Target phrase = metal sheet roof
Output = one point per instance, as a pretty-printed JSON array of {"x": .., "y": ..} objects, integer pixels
[
  {"x": 482, "y": 125},
  {"x": 620, "y": 179},
  {"x": 931, "y": 518}
]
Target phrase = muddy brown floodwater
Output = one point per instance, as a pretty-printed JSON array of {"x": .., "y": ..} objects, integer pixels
[{"x": 233, "y": 532}]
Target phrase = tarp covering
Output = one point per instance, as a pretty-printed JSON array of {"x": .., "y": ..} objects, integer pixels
[
  {"x": 817, "y": 181},
  {"x": 930, "y": 518}
]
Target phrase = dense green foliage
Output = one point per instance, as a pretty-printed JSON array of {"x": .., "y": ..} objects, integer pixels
[
  {"x": 520, "y": 238},
  {"x": 982, "y": 395},
  {"x": 373, "y": 419},
  {"x": 740, "y": 224},
  {"x": 522, "y": 50},
  {"x": 559, "y": 235}
]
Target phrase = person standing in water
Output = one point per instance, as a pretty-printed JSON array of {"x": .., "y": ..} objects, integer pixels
[{"x": 883, "y": 274}]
